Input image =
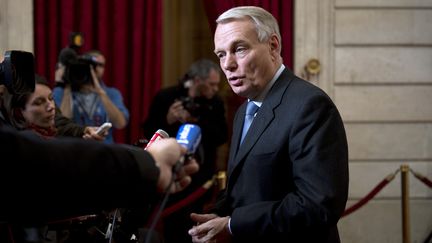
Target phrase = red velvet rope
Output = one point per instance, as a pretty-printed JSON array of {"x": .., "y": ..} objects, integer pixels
[
  {"x": 370, "y": 195},
  {"x": 182, "y": 203},
  {"x": 422, "y": 178},
  {"x": 426, "y": 181},
  {"x": 188, "y": 200}
]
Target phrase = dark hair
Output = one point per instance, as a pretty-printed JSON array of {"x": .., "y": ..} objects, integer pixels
[{"x": 18, "y": 103}]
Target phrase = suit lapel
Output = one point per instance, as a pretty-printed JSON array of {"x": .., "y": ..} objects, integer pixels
[
  {"x": 237, "y": 129},
  {"x": 260, "y": 123}
]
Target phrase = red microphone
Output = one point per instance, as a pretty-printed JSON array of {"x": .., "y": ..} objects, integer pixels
[{"x": 159, "y": 134}]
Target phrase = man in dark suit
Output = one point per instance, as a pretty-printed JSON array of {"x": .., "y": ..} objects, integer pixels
[{"x": 288, "y": 176}]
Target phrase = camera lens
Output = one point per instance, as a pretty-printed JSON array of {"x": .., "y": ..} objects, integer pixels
[{"x": 17, "y": 72}]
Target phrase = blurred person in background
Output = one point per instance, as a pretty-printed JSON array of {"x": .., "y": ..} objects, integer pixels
[{"x": 89, "y": 101}]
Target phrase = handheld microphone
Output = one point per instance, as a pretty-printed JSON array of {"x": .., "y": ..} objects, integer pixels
[
  {"x": 67, "y": 55},
  {"x": 189, "y": 136},
  {"x": 159, "y": 134}
]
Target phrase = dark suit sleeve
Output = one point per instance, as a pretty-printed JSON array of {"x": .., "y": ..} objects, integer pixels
[
  {"x": 46, "y": 179},
  {"x": 316, "y": 149}
]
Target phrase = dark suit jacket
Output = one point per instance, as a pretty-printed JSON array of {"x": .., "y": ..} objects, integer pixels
[
  {"x": 43, "y": 180},
  {"x": 288, "y": 181}
]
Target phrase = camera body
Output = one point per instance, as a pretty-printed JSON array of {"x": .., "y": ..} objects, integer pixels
[
  {"x": 77, "y": 67},
  {"x": 196, "y": 106},
  {"x": 78, "y": 71}
]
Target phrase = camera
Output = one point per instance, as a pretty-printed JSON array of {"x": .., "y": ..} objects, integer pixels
[
  {"x": 17, "y": 72},
  {"x": 77, "y": 68},
  {"x": 196, "y": 106}
]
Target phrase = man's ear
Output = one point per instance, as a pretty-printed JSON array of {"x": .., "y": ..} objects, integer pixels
[
  {"x": 197, "y": 80},
  {"x": 274, "y": 46},
  {"x": 274, "y": 43},
  {"x": 197, "y": 84}
]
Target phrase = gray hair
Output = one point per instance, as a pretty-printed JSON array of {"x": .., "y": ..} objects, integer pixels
[
  {"x": 201, "y": 69},
  {"x": 265, "y": 23}
]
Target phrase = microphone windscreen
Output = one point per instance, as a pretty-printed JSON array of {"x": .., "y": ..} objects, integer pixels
[
  {"x": 189, "y": 136},
  {"x": 162, "y": 133},
  {"x": 159, "y": 134},
  {"x": 67, "y": 55}
]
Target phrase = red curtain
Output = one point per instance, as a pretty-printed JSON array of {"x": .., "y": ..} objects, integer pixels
[{"x": 129, "y": 34}]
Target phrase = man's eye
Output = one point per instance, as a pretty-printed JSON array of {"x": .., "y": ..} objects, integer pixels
[
  {"x": 240, "y": 49},
  {"x": 220, "y": 55}
]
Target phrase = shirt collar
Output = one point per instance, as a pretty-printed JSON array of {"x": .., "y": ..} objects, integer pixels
[{"x": 259, "y": 100}]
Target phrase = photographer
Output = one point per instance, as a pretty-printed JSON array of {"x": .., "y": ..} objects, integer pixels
[
  {"x": 193, "y": 100},
  {"x": 82, "y": 95}
]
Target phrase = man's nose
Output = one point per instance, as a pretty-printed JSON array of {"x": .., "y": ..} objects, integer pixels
[{"x": 230, "y": 62}]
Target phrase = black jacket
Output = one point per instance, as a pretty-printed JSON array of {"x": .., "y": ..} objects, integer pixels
[
  {"x": 43, "y": 180},
  {"x": 288, "y": 180}
]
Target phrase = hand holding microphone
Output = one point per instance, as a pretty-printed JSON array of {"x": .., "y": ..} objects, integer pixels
[
  {"x": 167, "y": 153},
  {"x": 189, "y": 136},
  {"x": 175, "y": 173}
]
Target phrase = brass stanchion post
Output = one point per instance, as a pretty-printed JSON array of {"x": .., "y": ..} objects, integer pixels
[
  {"x": 221, "y": 180},
  {"x": 405, "y": 203}
]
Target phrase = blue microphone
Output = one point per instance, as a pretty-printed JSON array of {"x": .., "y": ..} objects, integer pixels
[{"x": 188, "y": 136}]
